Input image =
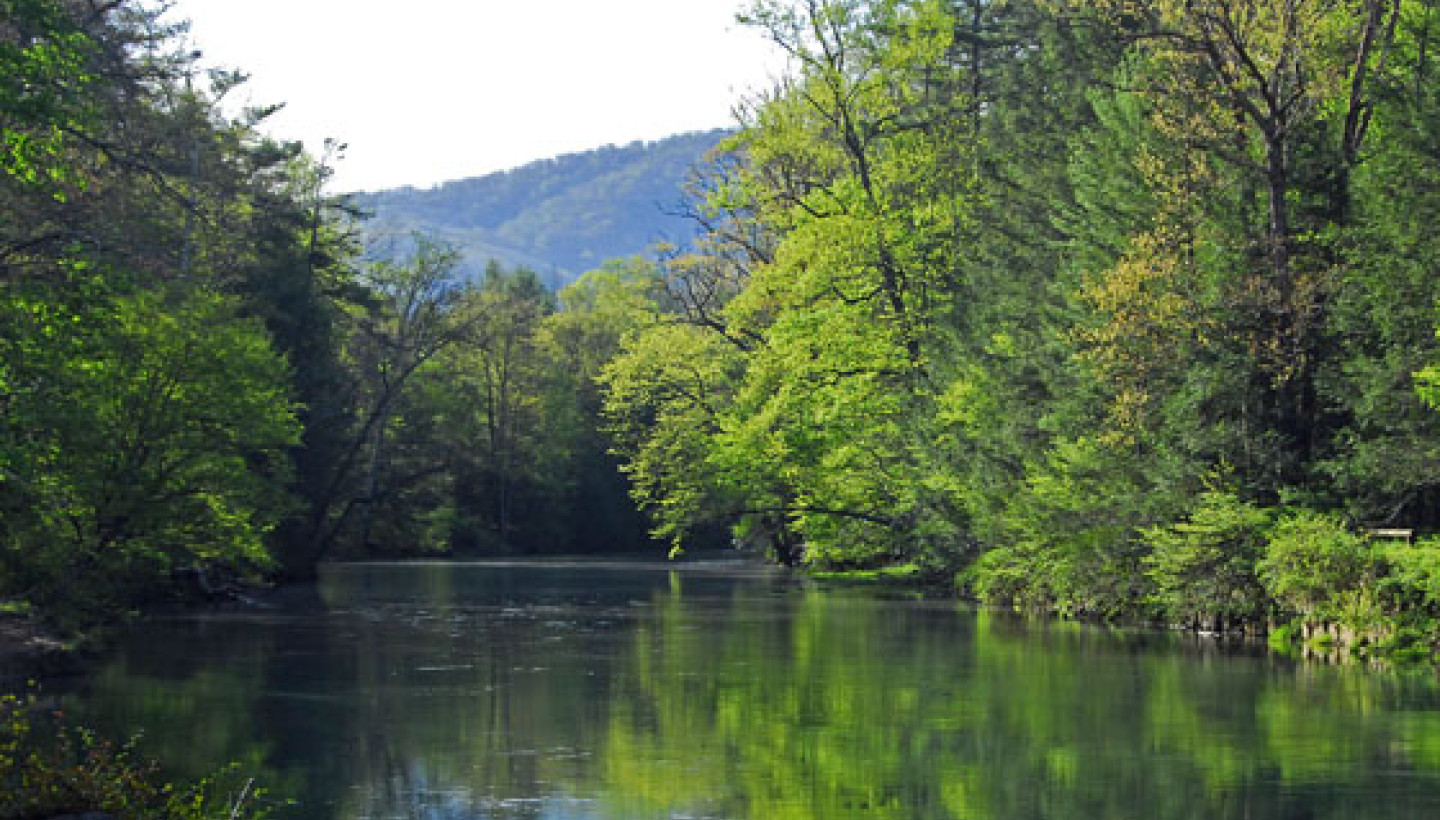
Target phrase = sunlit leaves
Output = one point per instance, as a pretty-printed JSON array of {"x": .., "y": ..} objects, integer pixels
[
  {"x": 810, "y": 421},
  {"x": 44, "y": 73},
  {"x": 664, "y": 398},
  {"x": 152, "y": 433}
]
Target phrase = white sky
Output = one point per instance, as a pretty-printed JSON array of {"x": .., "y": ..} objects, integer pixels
[{"x": 425, "y": 91}]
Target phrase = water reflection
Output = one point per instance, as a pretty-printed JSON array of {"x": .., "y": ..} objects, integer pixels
[{"x": 590, "y": 691}]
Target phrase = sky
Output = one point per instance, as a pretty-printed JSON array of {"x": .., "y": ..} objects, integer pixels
[{"x": 424, "y": 91}]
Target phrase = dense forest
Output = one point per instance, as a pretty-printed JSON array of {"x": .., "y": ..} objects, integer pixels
[
  {"x": 1110, "y": 309},
  {"x": 206, "y": 378},
  {"x": 559, "y": 217},
  {"x": 1107, "y": 309}
]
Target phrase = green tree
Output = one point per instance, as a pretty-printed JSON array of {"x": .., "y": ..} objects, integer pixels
[
  {"x": 814, "y": 302},
  {"x": 407, "y": 316},
  {"x": 157, "y": 254},
  {"x": 145, "y": 433},
  {"x": 502, "y": 380},
  {"x": 596, "y": 314}
]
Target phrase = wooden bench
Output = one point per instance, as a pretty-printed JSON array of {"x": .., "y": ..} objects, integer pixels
[{"x": 1408, "y": 536}]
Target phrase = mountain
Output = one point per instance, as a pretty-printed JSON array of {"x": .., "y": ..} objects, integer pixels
[{"x": 559, "y": 217}]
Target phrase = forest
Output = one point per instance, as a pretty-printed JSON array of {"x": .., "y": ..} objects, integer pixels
[{"x": 1108, "y": 309}]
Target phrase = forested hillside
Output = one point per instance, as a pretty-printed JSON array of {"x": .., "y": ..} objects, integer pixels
[{"x": 558, "y": 217}]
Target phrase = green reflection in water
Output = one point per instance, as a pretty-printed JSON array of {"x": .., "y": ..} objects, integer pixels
[{"x": 581, "y": 692}]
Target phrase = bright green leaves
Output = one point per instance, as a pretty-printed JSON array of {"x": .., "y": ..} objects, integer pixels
[
  {"x": 44, "y": 79},
  {"x": 1427, "y": 384},
  {"x": 664, "y": 396},
  {"x": 809, "y": 419},
  {"x": 1204, "y": 568},
  {"x": 154, "y": 257},
  {"x": 1312, "y": 562},
  {"x": 151, "y": 433}
]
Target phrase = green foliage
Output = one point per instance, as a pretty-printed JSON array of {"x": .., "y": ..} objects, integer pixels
[
  {"x": 596, "y": 314},
  {"x": 169, "y": 281},
  {"x": 503, "y": 378},
  {"x": 964, "y": 305},
  {"x": 149, "y": 435},
  {"x": 1384, "y": 304},
  {"x": 1205, "y": 566},
  {"x": 478, "y": 423},
  {"x": 1007, "y": 577},
  {"x": 1410, "y": 587},
  {"x": 813, "y": 301},
  {"x": 1428, "y": 385},
  {"x": 664, "y": 395},
  {"x": 48, "y": 768},
  {"x": 979, "y": 290},
  {"x": 46, "y": 64},
  {"x": 1378, "y": 598},
  {"x": 1313, "y": 565}
]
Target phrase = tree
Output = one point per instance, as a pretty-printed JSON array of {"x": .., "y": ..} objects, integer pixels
[
  {"x": 1281, "y": 99},
  {"x": 503, "y": 382},
  {"x": 595, "y": 315},
  {"x": 145, "y": 433},
  {"x": 407, "y": 318},
  {"x": 142, "y": 219},
  {"x": 788, "y": 394}
]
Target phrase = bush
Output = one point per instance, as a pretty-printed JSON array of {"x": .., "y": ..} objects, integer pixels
[
  {"x": 1381, "y": 599},
  {"x": 1000, "y": 577},
  {"x": 47, "y": 769},
  {"x": 1412, "y": 578},
  {"x": 1318, "y": 569},
  {"x": 1204, "y": 567}
]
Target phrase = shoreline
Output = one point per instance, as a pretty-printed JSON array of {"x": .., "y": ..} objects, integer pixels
[{"x": 30, "y": 649}]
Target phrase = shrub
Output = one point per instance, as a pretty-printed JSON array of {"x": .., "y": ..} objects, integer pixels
[
  {"x": 1000, "y": 577},
  {"x": 1412, "y": 579},
  {"x": 1316, "y": 568},
  {"x": 1204, "y": 567},
  {"x": 48, "y": 769}
]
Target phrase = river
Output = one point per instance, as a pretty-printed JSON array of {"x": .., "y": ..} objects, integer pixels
[{"x": 631, "y": 691}]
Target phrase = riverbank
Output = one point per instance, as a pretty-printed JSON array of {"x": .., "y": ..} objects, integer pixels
[
  {"x": 1400, "y": 639},
  {"x": 29, "y": 648}
]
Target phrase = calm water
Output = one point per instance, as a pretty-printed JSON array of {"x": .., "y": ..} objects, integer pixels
[{"x": 630, "y": 691}]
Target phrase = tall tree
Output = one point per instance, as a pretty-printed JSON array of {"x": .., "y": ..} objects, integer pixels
[
  {"x": 407, "y": 317},
  {"x": 501, "y": 374},
  {"x": 148, "y": 238}
]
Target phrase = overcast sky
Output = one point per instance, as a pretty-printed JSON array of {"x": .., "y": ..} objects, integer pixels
[{"x": 424, "y": 91}]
